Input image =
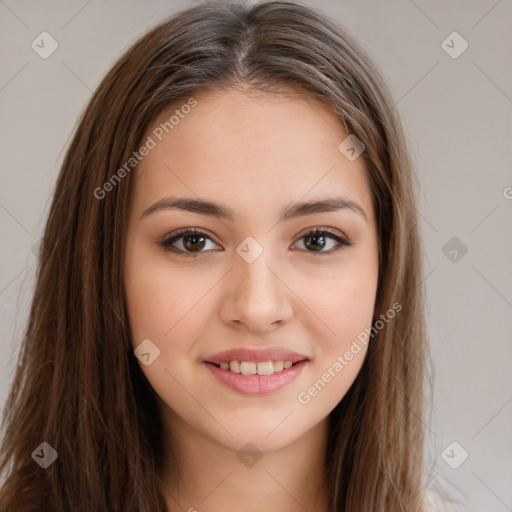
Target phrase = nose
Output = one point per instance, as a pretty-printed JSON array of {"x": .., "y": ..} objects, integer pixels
[{"x": 256, "y": 296}]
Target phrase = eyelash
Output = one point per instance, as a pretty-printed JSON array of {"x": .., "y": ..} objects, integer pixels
[{"x": 177, "y": 235}]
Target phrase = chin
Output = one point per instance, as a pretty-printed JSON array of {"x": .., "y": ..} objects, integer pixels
[{"x": 264, "y": 438}]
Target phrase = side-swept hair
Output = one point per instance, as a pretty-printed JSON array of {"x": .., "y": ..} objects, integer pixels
[{"x": 78, "y": 385}]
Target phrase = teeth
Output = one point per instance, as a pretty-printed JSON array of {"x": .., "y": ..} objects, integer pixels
[
  {"x": 279, "y": 365},
  {"x": 252, "y": 368},
  {"x": 265, "y": 368},
  {"x": 248, "y": 368},
  {"x": 234, "y": 366}
]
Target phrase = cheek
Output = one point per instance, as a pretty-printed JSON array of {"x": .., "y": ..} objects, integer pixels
[
  {"x": 346, "y": 309},
  {"x": 353, "y": 301},
  {"x": 341, "y": 302},
  {"x": 164, "y": 301}
]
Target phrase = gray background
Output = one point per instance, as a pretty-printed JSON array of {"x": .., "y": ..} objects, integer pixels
[{"x": 457, "y": 114}]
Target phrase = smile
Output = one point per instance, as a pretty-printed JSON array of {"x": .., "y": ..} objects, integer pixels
[{"x": 255, "y": 368}]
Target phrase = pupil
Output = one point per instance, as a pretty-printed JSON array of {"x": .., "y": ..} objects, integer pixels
[
  {"x": 315, "y": 239},
  {"x": 195, "y": 240}
]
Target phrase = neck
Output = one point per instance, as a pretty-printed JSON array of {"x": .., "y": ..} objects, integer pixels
[{"x": 213, "y": 477}]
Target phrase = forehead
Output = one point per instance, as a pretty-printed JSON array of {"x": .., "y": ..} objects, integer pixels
[{"x": 238, "y": 146}]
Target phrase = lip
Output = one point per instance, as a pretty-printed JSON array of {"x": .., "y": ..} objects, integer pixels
[
  {"x": 257, "y": 355},
  {"x": 256, "y": 385}
]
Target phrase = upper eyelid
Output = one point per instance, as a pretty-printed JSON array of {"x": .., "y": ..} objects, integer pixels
[
  {"x": 179, "y": 233},
  {"x": 184, "y": 231}
]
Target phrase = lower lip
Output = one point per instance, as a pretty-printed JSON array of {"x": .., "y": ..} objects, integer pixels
[{"x": 256, "y": 385}]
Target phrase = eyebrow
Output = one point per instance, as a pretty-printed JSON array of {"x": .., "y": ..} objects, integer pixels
[{"x": 223, "y": 211}]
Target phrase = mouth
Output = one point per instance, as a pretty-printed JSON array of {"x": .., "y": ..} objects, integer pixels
[
  {"x": 258, "y": 371},
  {"x": 255, "y": 367}
]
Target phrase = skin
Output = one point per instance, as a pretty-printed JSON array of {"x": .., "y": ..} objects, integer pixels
[{"x": 256, "y": 153}]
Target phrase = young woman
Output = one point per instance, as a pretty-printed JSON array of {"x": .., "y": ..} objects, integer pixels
[{"x": 228, "y": 313}]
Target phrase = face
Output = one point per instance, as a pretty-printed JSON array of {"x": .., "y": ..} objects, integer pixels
[{"x": 198, "y": 284}]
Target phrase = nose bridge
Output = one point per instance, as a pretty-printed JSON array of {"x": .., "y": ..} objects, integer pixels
[
  {"x": 257, "y": 282},
  {"x": 259, "y": 297}
]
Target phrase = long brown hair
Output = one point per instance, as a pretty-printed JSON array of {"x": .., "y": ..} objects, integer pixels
[{"x": 78, "y": 386}]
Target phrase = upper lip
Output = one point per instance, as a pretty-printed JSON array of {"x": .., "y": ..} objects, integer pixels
[{"x": 256, "y": 355}]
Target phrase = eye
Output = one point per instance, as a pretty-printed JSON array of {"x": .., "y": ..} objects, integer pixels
[
  {"x": 193, "y": 241},
  {"x": 318, "y": 239}
]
